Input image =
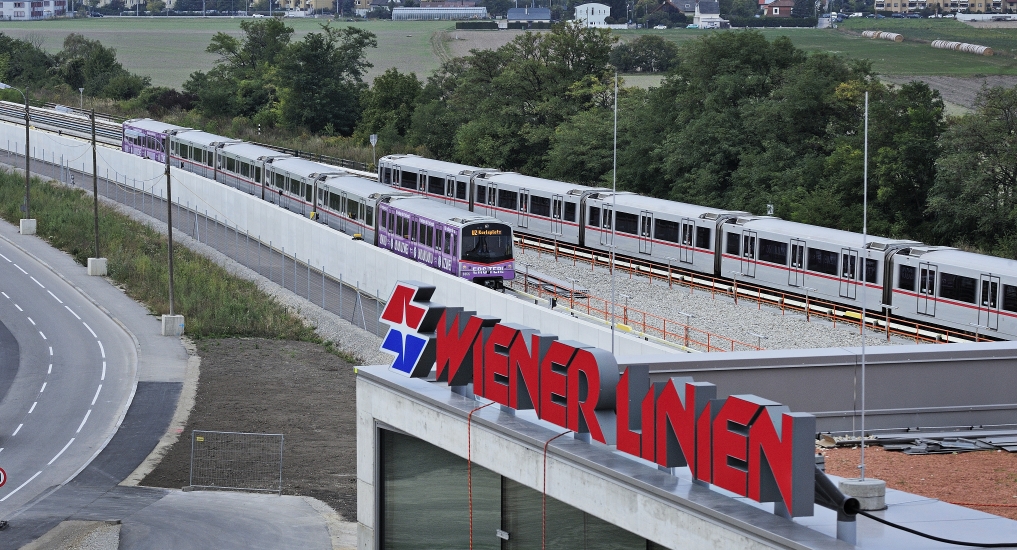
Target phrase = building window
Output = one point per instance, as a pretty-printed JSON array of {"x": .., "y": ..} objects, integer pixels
[{"x": 776, "y": 11}]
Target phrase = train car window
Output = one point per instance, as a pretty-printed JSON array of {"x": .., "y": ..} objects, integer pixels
[
  {"x": 871, "y": 269},
  {"x": 507, "y": 199},
  {"x": 594, "y": 217},
  {"x": 906, "y": 280},
  {"x": 391, "y": 222},
  {"x": 481, "y": 194},
  {"x": 406, "y": 228},
  {"x": 957, "y": 287},
  {"x": 308, "y": 192},
  {"x": 210, "y": 158},
  {"x": 257, "y": 174},
  {"x": 461, "y": 190},
  {"x": 280, "y": 181},
  {"x": 666, "y": 230},
  {"x": 413, "y": 231},
  {"x": 570, "y": 211},
  {"x": 351, "y": 208},
  {"x": 184, "y": 151},
  {"x": 231, "y": 164},
  {"x": 774, "y": 252},
  {"x": 448, "y": 242},
  {"x": 369, "y": 217},
  {"x": 703, "y": 238},
  {"x": 437, "y": 240},
  {"x": 627, "y": 223},
  {"x": 387, "y": 175},
  {"x": 822, "y": 261},
  {"x": 399, "y": 225},
  {"x": 734, "y": 244},
  {"x": 436, "y": 185},
  {"x": 430, "y": 236},
  {"x": 540, "y": 206},
  {"x": 1010, "y": 298},
  {"x": 409, "y": 180}
]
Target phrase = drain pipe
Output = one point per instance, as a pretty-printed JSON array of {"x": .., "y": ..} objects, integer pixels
[{"x": 829, "y": 496}]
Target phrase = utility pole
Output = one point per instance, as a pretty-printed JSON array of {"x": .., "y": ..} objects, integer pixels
[
  {"x": 172, "y": 325},
  {"x": 98, "y": 265}
]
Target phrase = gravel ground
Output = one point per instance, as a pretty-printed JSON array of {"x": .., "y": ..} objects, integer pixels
[
  {"x": 957, "y": 90},
  {"x": 718, "y": 315},
  {"x": 985, "y": 477}
]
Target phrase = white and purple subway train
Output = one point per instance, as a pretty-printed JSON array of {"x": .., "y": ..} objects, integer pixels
[
  {"x": 931, "y": 285},
  {"x": 474, "y": 247}
]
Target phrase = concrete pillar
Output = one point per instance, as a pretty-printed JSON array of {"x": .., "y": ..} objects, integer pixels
[
  {"x": 28, "y": 227},
  {"x": 871, "y": 493},
  {"x": 97, "y": 267},
  {"x": 172, "y": 325}
]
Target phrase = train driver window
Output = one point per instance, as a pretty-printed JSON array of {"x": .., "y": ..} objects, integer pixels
[
  {"x": 703, "y": 238},
  {"x": 570, "y": 211},
  {"x": 734, "y": 242},
  {"x": 594, "y": 217},
  {"x": 906, "y": 280},
  {"x": 448, "y": 241},
  {"x": 871, "y": 269},
  {"x": 1010, "y": 298},
  {"x": 481, "y": 194}
]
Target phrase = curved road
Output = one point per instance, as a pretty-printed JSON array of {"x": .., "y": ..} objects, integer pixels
[{"x": 75, "y": 377}]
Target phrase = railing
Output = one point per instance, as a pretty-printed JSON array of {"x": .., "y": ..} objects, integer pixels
[{"x": 810, "y": 306}]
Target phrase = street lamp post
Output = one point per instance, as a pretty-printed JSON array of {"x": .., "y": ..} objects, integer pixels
[
  {"x": 81, "y": 99},
  {"x": 30, "y": 229}
]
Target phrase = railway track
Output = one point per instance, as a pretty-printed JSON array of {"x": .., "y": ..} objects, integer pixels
[{"x": 65, "y": 121}]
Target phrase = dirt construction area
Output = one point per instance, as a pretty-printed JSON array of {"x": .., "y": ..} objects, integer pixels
[
  {"x": 960, "y": 91},
  {"x": 297, "y": 389}
]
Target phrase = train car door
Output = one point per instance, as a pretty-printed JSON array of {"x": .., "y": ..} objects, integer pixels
[
  {"x": 646, "y": 232},
  {"x": 606, "y": 218},
  {"x": 397, "y": 176},
  {"x": 927, "y": 288},
  {"x": 450, "y": 190},
  {"x": 988, "y": 307},
  {"x": 343, "y": 218},
  {"x": 748, "y": 258},
  {"x": 848, "y": 271},
  {"x": 557, "y": 204},
  {"x": 524, "y": 206},
  {"x": 492, "y": 199},
  {"x": 688, "y": 234},
  {"x": 796, "y": 273},
  {"x": 422, "y": 182}
]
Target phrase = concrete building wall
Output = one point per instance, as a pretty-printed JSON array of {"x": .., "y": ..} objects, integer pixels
[{"x": 357, "y": 262}]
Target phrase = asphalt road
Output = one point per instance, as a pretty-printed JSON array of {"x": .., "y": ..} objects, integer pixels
[{"x": 75, "y": 378}]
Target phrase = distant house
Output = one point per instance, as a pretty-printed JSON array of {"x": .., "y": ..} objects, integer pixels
[
  {"x": 449, "y": 4},
  {"x": 528, "y": 15},
  {"x": 593, "y": 15},
  {"x": 23, "y": 11},
  {"x": 777, "y": 8},
  {"x": 707, "y": 15},
  {"x": 438, "y": 14}
]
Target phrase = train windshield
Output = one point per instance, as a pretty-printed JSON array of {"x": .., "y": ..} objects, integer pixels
[{"x": 487, "y": 243}]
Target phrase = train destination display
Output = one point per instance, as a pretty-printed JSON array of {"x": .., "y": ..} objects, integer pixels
[{"x": 743, "y": 443}]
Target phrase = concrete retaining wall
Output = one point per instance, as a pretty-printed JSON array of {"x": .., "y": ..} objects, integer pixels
[{"x": 357, "y": 262}]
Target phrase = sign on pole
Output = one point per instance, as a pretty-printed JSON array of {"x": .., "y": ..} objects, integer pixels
[
  {"x": 3, "y": 477},
  {"x": 374, "y": 139}
]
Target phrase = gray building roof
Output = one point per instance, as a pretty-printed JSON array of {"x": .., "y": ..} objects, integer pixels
[
  {"x": 529, "y": 14},
  {"x": 709, "y": 7}
]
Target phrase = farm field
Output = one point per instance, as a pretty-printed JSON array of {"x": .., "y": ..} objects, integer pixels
[{"x": 170, "y": 49}]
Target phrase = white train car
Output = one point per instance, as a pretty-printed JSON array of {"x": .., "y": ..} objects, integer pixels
[
  {"x": 241, "y": 166},
  {"x": 827, "y": 263},
  {"x": 292, "y": 182},
  {"x": 683, "y": 235},
  {"x": 962, "y": 290},
  {"x": 196, "y": 151},
  {"x": 444, "y": 181},
  {"x": 351, "y": 204},
  {"x": 537, "y": 206}
]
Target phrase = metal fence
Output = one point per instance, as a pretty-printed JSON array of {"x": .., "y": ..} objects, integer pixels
[{"x": 236, "y": 460}]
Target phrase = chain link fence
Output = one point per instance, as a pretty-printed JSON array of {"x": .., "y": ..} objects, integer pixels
[{"x": 236, "y": 460}]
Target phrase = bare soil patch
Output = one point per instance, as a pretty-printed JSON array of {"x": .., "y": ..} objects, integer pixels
[
  {"x": 461, "y": 42},
  {"x": 277, "y": 386},
  {"x": 969, "y": 479},
  {"x": 958, "y": 90}
]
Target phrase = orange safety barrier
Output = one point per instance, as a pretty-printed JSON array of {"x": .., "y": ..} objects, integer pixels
[{"x": 809, "y": 306}]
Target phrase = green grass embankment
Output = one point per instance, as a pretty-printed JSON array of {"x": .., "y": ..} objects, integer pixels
[{"x": 214, "y": 303}]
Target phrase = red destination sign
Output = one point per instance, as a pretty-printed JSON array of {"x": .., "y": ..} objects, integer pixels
[{"x": 743, "y": 443}]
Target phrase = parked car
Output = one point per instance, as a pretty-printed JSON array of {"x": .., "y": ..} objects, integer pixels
[
  {"x": 897, "y": 15},
  {"x": 660, "y": 27},
  {"x": 692, "y": 26},
  {"x": 913, "y": 16}
]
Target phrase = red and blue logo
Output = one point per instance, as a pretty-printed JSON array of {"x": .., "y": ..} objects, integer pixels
[{"x": 412, "y": 320}]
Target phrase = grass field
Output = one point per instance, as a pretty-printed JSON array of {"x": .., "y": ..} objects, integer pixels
[{"x": 169, "y": 50}]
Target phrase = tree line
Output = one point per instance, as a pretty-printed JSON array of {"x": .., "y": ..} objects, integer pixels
[{"x": 738, "y": 121}]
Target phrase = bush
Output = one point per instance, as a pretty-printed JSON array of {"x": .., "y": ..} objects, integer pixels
[{"x": 476, "y": 25}]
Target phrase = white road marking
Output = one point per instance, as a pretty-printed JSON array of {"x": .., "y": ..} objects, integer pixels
[
  {"x": 51, "y": 350},
  {"x": 94, "y": 335},
  {"x": 61, "y": 451},
  {"x": 33, "y": 407},
  {"x": 72, "y": 313},
  {"x": 5, "y": 257},
  {"x": 22, "y": 270},
  {"x": 20, "y": 486},
  {"x": 50, "y": 371},
  {"x": 36, "y": 281},
  {"x": 83, "y": 421},
  {"x": 31, "y": 321},
  {"x": 43, "y": 388},
  {"x": 17, "y": 430},
  {"x": 5, "y": 295},
  {"x": 19, "y": 307},
  {"x": 103, "y": 371},
  {"x": 102, "y": 349},
  {"x": 43, "y": 335},
  {"x": 55, "y": 296},
  {"x": 97, "y": 390}
]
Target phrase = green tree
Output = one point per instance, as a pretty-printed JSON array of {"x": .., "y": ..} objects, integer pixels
[
  {"x": 388, "y": 106},
  {"x": 323, "y": 76},
  {"x": 974, "y": 199}
]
